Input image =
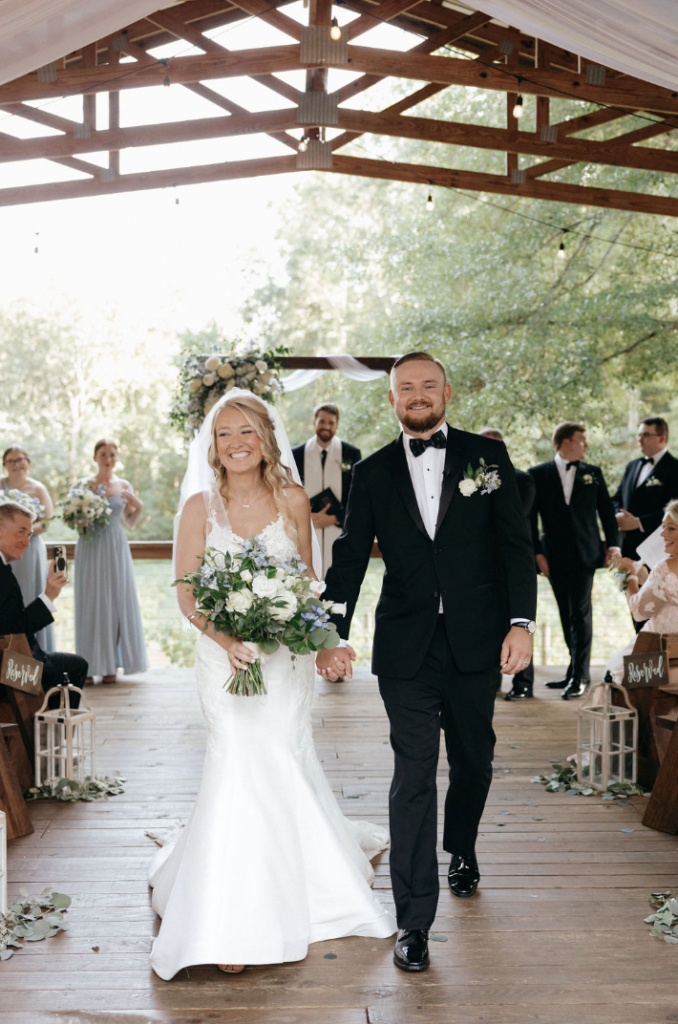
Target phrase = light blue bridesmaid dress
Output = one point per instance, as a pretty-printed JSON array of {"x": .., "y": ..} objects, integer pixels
[
  {"x": 108, "y": 628},
  {"x": 31, "y": 574}
]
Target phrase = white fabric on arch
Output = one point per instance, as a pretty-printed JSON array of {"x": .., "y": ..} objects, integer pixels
[
  {"x": 348, "y": 365},
  {"x": 638, "y": 38},
  {"x": 36, "y": 32}
]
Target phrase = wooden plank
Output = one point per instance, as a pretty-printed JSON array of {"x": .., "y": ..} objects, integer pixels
[
  {"x": 11, "y": 799},
  {"x": 381, "y": 13},
  {"x": 662, "y": 808}
]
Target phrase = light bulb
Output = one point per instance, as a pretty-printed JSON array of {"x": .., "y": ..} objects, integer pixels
[
  {"x": 561, "y": 251},
  {"x": 176, "y": 201},
  {"x": 518, "y": 108},
  {"x": 303, "y": 145},
  {"x": 429, "y": 202},
  {"x": 335, "y": 31},
  {"x": 166, "y": 82}
]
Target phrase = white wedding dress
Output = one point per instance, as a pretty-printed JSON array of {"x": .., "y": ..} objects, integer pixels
[{"x": 267, "y": 863}]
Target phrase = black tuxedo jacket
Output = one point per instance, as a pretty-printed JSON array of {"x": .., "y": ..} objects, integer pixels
[
  {"x": 480, "y": 561},
  {"x": 527, "y": 489},
  {"x": 349, "y": 453},
  {"x": 570, "y": 532},
  {"x": 15, "y": 617},
  {"x": 646, "y": 503}
]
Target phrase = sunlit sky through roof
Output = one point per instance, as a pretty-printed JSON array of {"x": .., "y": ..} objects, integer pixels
[{"x": 159, "y": 264}]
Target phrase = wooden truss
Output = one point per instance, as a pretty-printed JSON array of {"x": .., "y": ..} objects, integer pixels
[{"x": 498, "y": 58}]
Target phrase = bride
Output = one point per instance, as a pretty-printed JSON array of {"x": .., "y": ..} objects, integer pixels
[{"x": 267, "y": 863}]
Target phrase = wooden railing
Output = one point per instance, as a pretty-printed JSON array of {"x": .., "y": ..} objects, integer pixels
[{"x": 160, "y": 549}]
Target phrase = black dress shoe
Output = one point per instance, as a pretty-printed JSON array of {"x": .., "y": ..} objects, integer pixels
[
  {"x": 575, "y": 688},
  {"x": 463, "y": 875},
  {"x": 411, "y": 950},
  {"x": 518, "y": 692},
  {"x": 558, "y": 684}
]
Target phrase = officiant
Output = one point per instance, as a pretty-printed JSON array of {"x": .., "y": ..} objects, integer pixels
[{"x": 325, "y": 465}]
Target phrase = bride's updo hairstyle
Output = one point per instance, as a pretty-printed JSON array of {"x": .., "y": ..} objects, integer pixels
[{"x": 274, "y": 475}]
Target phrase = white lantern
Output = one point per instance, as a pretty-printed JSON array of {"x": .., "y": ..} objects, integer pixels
[
  {"x": 3, "y": 862},
  {"x": 65, "y": 739},
  {"x": 607, "y": 741}
]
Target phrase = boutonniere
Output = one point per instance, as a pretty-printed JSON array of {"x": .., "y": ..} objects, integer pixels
[
  {"x": 484, "y": 479},
  {"x": 587, "y": 478},
  {"x": 653, "y": 481},
  {"x": 346, "y": 467}
]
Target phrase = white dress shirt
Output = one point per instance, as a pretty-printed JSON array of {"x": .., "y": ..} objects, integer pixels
[
  {"x": 43, "y": 596},
  {"x": 566, "y": 476},
  {"x": 426, "y": 471},
  {"x": 648, "y": 467}
]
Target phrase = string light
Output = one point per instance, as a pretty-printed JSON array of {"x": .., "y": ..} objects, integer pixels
[
  {"x": 166, "y": 81},
  {"x": 429, "y": 202},
  {"x": 561, "y": 251},
  {"x": 335, "y": 31},
  {"x": 35, "y": 251},
  {"x": 518, "y": 108},
  {"x": 303, "y": 144}
]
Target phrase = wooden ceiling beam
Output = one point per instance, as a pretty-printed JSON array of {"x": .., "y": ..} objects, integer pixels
[
  {"x": 474, "y": 181},
  {"x": 622, "y": 143},
  {"x": 380, "y": 13},
  {"x": 234, "y": 108},
  {"x": 262, "y": 10},
  {"x": 223, "y": 171}
]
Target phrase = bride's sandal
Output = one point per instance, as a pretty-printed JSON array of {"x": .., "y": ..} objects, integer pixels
[{"x": 230, "y": 968}]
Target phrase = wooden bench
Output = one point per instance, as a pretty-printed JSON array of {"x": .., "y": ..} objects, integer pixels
[
  {"x": 662, "y": 809},
  {"x": 11, "y": 796}
]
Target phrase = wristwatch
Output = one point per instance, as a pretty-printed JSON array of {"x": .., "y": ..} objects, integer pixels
[{"x": 529, "y": 624}]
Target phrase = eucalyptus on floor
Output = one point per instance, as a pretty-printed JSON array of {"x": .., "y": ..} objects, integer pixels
[{"x": 555, "y": 935}]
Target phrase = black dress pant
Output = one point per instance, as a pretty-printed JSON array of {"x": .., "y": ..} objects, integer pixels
[
  {"x": 572, "y": 587},
  {"x": 55, "y": 667},
  {"x": 440, "y": 696}
]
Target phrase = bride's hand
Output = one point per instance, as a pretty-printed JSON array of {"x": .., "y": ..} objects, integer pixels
[{"x": 238, "y": 655}]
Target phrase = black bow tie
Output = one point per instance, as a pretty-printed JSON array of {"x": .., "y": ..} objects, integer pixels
[
  {"x": 647, "y": 458},
  {"x": 418, "y": 446},
  {"x": 572, "y": 465}
]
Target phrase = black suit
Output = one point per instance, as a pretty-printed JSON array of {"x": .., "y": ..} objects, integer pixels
[
  {"x": 646, "y": 503},
  {"x": 436, "y": 669},
  {"x": 573, "y": 549},
  {"x": 527, "y": 489},
  {"x": 349, "y": 454},
  {"x": 15, "y": 617}
]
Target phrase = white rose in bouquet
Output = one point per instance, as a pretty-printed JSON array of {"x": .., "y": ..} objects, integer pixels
[
  {"x": 261, "y": 365},
  {"x": 288, "y": 607},
  {"x": 209, "y": 379},
  {"x": 251, "y": 374},
  {"x": 266, "y": 377},
  {"x": 239, "y": 600},
  {"x": 265, "y": 587},
  {"x": 225, "y": 371},
  {"x": 246, "y": 576},
  {"x": 195, "y": 384},
  {"x": 213, "y": 363},
  {"x": 339, "y": 609}
]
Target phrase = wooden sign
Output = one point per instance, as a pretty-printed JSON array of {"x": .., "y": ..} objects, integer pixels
[
  {"x": 645, "y": 670},
  {"x": 21, "y": 673}
]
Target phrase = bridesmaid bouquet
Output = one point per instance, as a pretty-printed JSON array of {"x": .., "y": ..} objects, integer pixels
[
  {"x": 265, "y": 601},
  {"x": 27, "y": 501},
  {"x": 85, "y": 510}
]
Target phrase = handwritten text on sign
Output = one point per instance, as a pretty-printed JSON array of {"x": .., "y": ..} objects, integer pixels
[
  {"x": 644, "y": 670},
  {"x": 21, "y": 673}
]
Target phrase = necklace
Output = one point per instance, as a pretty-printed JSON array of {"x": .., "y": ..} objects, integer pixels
[{"x": 251, "y": 501}]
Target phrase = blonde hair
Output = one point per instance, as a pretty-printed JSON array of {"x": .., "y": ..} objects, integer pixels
[
  {"x": 274, "y": 475},
  {"x": 671, "y": 510},
  {"x": 103, "y": 443}
]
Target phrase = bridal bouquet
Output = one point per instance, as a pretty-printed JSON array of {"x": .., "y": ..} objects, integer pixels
[
  {"x": 85, "y": 510},
  {"x": 266, "y": 602},
  {"x": 27, "y": 501}
]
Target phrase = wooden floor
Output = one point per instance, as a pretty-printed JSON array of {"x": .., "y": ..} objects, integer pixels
[{"x": 555, "y": 934}]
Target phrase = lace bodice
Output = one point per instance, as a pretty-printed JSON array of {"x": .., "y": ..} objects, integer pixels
[
  {"x": 657, "y": 600},
  {"x": 221, "y": 536}
]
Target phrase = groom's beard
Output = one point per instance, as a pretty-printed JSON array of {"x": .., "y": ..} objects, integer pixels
[{"x": 420, "y": 422}]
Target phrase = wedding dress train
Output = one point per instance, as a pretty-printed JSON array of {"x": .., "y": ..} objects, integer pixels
[{"x": 267, "y": 863}]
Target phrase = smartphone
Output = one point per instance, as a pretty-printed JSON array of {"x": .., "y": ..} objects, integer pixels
[{"x": 59, "y": 556}]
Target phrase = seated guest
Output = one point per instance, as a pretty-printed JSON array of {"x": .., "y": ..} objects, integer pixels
[{"x": 16, "y": 527}]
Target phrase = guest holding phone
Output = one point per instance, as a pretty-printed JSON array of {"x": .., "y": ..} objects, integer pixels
[
  {"x": 108, "y": 627},
  {"x": 31, "y": 570}
]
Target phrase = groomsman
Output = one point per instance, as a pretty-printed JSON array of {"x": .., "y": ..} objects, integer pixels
[
  {"x": 325, "y": 465},
  {"x": 571, "y": 496},
  {"x": 523, "y": 680},
  {"x": 647, "y": 485}
]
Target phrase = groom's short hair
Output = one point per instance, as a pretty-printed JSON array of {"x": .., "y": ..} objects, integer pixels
[
  {"x": 422, "y": 357},
  {"x": 565, "y": 432}
]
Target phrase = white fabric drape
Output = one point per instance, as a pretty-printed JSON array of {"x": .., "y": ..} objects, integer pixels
[
  {"x": 36, "y": 32},
  {"x": 348, "y": 365},
  {"x": 638, "y": 37}
]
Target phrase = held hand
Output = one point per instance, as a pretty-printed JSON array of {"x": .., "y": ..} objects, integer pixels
[
  {"x": 543, "y": 565},
  {"x": 516, "y": 651},
  {"x": 55, "y": 582},
  {"x": 335, "y": 663},
  {"x": 321, "y": 519},
  {"x": 612, "y": 557},
  {"x": 239, "y": 656},
  {"x": 626, "y": 521}
]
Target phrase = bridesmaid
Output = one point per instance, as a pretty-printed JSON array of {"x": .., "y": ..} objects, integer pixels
[
  {"x": 31, "y": 570},
  {"x": 108, "y": 629}
]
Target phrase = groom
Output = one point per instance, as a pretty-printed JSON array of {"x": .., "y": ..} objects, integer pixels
[{"x": 456, "y": 609}]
